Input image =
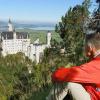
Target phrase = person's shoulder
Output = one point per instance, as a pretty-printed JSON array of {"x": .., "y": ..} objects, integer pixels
[{"x": 91, "y": 63}]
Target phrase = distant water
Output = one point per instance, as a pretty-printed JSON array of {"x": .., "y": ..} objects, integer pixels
[
  {"x": 35, "y": 26},
  {"x": 39, "y": 28},
  {"x": 43, "y": 28}
]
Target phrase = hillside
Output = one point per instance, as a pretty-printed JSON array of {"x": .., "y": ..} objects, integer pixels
[{"x": 41, "y": 34}]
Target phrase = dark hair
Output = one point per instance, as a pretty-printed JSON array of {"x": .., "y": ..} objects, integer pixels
[{"x": 93, "y": 39}]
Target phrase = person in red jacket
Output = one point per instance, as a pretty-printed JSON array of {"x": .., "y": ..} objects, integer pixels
[{"x": 84, "y": 80}]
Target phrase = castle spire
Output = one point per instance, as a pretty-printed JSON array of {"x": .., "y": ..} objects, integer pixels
[
  {"x": 10, "y": 21},
  {"x": 10, "y": 26}
]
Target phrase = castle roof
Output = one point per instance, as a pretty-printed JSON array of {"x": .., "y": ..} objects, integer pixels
[
  {"x": 19, "y": 35},
  {"x": 7, "y": 35}
]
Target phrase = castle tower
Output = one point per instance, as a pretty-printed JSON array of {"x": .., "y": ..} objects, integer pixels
[
  {"x": 48, "y": 38},
  {"x": 14, "y": 35},
  {"x": 10, "y": 26}
]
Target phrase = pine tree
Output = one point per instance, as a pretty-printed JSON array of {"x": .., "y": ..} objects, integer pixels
[
  {"x": 71, "y": 30},
  {"x": 95, "y": 21}
]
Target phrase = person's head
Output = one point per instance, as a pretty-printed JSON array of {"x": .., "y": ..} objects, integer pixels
[{"x": 92, "y": 44}]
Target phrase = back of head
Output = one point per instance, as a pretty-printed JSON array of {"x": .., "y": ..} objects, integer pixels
[{"x": 93, "y": 39}]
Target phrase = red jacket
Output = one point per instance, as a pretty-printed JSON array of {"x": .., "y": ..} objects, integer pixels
[{"x": 87, "y": 74}]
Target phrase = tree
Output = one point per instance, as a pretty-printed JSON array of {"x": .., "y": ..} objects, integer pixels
[{"x": 71, "y": 30}]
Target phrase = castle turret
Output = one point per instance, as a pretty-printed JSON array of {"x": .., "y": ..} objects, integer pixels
[
  {"x": 10, "y": 26},
  {"x": 14, "y": 35},
  {"x": 48, "y": 38}
]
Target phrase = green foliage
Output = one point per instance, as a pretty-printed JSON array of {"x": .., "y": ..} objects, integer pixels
[
  {"x": 16, "y": 83},
  {"x": 71, "y": 31},
  {"x": 41, "y": 34},
  {"x": 11, "y": 67}
]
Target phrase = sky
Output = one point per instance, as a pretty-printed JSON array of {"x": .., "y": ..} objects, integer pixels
[{"x": 35, "y": 10}]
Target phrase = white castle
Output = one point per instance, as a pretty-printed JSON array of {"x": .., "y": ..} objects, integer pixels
[{"x": 14, "y": 42}]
